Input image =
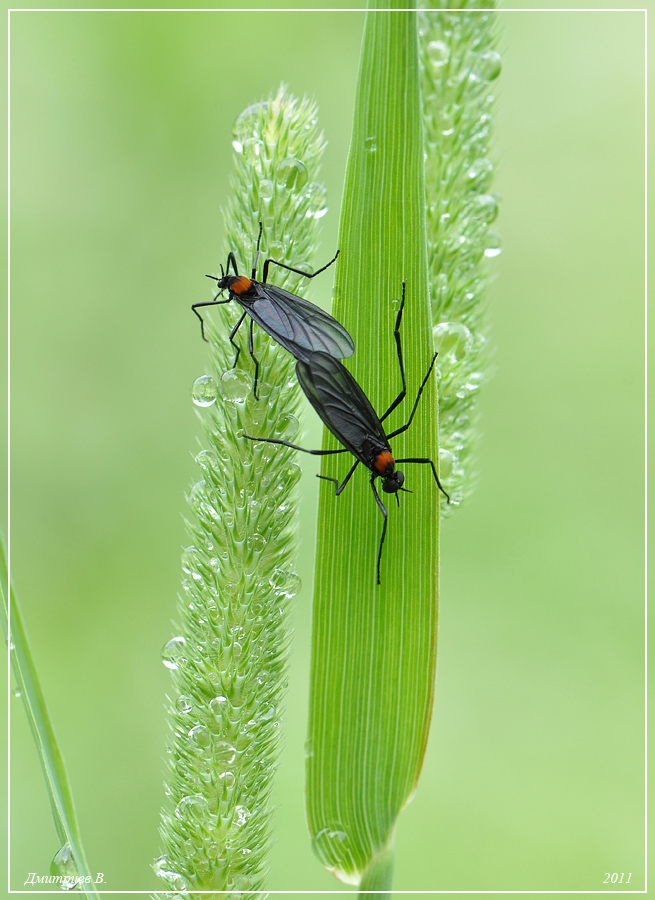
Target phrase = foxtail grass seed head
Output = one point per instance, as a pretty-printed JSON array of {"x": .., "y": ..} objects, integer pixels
[
  {"x": 460, "y": 65},
  {"x": 228, "y": 657}
]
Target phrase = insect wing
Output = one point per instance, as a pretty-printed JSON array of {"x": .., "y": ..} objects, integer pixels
[
  {"x": 299, "y": 326},
  {"x": 340, "y": 402}
]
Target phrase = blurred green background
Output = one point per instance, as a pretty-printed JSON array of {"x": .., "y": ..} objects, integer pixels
[{"x": 121, "y": 131}]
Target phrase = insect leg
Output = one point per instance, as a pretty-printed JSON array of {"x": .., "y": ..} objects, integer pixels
[
  {"x": 251, "y": 348},
  {"x": 232, "y": 333},
  {"x": 434, "y": 472},
  {"x": 294, "y": 446},
  {"x": 339, "y": 487},
  {"x": 214, "y": 302},
  {"x": 231, "y": 259},
  {"x": 399, "y": 350},
  {"x": 259, "y": 241},
  {"x": 418, "y": 397},
  {"x": 297, "y": 271},
  {"x": 384, "y": 512}
]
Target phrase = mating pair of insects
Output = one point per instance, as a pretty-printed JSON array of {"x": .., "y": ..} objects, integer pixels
[{"x": 318, "y": 342}]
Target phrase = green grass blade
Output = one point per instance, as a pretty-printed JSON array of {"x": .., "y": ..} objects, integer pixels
[
  {"x": 374, "y": 648},
  {"x": 70, "y": 862}
]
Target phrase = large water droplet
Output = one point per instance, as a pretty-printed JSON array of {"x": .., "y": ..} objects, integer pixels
[
  {"x": 287, "y": 583},
  {"x": 485, "y": 207},
  {"x": 241, "y": 815},
  {"x": 248, "y": 124},
  {"x": 267, "y": 714},
  {"x": 292, "y": 173},
  {"x": 173, "y": 653},
  {"x": 256, "y": 542},
  {"x": 201, "y": 737},
  {"x": 287, "y": 426},
  {"x": 317, "y": 197},
  {"x": 471, "y": 386},
  {"x": 453, "y": 340},
  {"x": 489, "y": 65},
  {"x": 492, "y": 245},
  {"x": 235, "y": 386},
  {"x": 253, "y": 151},
  {"x": 194, "y": 807},
  {"x": 207, "y": 459},
  {"x": 184, "y": 704},
  {"x": 329, "y": 842},
  {"x": 227, "y": 779},
  {"x": 63, "y": 864},
  {"x": 437, "y": 53},
  {"x": 371, "y": 144},
  {"x": 218, "y": 705},
  {"x": 204, "y": 391},
  {"x": 446, "y": 463},
  {"x": 479, "y": 173},
  {"x": 266, "y": 189},
  {"x": 225, "y": 753},
  {"x": 190, "y": 563}
]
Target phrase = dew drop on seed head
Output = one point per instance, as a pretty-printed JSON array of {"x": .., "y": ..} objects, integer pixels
[
  {"x": 247, "y": 123},
  {"x": 184, "y": 704},
  {"x": 485, "y": 207},
  {"x": 277, "y": 250},
  {"x": 241, "y": 816},
  {"x": 194, "y": 807},
  {"x": 266, "y": 189},
  {"x": 256, "y": 542},
  {"x": 253, "y": 151},
  {"x": 224, "y": 753},
  {"x": 207, "y": 459},
  {"x": 438, "y": 54},
  {"x": 218, "y": 705},
  {"x": 235, "y": 386},
  {"x": 446, "y": 463},
  {"x": 317, "y": 200},
  {"x": 287, "y": 583},
  {"x": 173, "y": 653},
  {"x": 291, "y": 173},
  {"x": 453, "y": 340},
  {"x": 201, "y": 737},
  {"x": 230, "y": 589},
  {"x": 204, "y": 391},
  {"x": 492, "y": 245},
  {"x": 267, "y": 715},
  {"x": 287, "y": 426},
  {"x": 489, "y": 65},
  {"x": 293, "y": 585},
  {"x": 479, "y": 173},
  {"x": 227, "y": 779},
  {"x": 471, "y": 386}
]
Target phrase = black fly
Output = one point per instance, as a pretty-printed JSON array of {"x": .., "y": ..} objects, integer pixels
[
  {"x": 347, "y": 412},
  {"x": 299, "y": 326}
]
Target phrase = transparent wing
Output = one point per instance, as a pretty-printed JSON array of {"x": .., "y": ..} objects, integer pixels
[
  {"x": 340, "y": 402},
  {"x": 299, "y": 326}
]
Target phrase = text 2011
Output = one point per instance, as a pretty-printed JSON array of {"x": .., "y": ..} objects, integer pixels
[{"x": 615, "y": 878}]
